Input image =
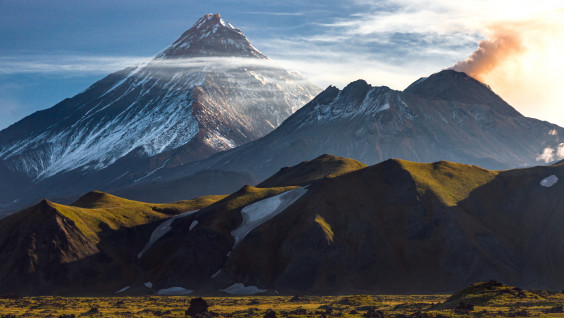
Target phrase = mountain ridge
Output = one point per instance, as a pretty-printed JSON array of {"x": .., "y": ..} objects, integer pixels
[{"x": 372, "y": 124}]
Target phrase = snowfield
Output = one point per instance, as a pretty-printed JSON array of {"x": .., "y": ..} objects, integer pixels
[
  {"x": 174, "y": 291},
  {"x": 241, "y": 289},
  {"x": 259, "y": 212},
  {"x": 161, "y": 230},
  {"x": 549, "y": 181}
]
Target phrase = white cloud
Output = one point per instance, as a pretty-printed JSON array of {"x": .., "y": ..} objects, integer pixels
[
  {"x": 550, "y": 154},
  {"x": 66, "y": 64},
  {"x": 560, "y": 151},
  {"x": 547, "y": 155}
]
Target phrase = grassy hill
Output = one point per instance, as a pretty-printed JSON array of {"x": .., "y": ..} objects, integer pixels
[
  {"x": 308, "y": 171},
  {"x": 55, "y": 248}
]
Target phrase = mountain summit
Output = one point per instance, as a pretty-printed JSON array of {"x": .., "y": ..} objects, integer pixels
[
  {"x": 458, "y": 87},
  {"x": 212, "y": 36},
  {"x": 210, "y": 91}
]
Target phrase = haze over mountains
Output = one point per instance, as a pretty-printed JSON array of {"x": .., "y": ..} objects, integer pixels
[
  {"x": 394, "y": 227},
  {"x": 211, "y": 90}
]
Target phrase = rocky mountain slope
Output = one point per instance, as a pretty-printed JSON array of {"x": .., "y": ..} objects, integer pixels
[
  {"x": 394, "y": 227},
  {"x": 447, "y": 116},
  {"x": 211, "y": 90}
]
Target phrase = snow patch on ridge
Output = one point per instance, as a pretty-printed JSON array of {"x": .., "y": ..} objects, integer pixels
[
  {"x": 161, "y": 230},
  {"x": 122, "y": 290},
  {"x": 216, "y": 273},
  {"x": 193, "y": 225},
  {"x": 241, "y": 289},
  {"x": 549, "y": 181},
  {"x": 259, "y": 212}
]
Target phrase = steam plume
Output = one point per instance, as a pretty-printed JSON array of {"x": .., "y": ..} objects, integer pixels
[{"x": 503, "y": 43}]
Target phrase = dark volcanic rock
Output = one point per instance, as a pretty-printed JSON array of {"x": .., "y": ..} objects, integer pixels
[{"x": 198, "y": 307}]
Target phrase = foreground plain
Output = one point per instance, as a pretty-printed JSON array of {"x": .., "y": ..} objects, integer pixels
[{"x": 487, "y": 299}]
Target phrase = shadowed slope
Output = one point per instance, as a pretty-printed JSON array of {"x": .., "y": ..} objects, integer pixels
[
  {"x": 190, "y": 258},
  {"x": 405, "y": 227}
]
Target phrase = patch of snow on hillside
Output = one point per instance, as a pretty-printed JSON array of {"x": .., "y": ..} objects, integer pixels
[
  {"x": 161, "y": 230},
  {"x": 259, "y": 212},
  {"x": 174, "y": 291},
  {"x": 219, "y": 142},
  {"x": 193, "y": 225},
  {"x": 122, "y": 290},
  {"x": 241, "y": 289},
  {"x": 549, "y": 181}
]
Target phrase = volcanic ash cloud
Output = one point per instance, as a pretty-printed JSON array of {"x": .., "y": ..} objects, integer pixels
[{"x": 504, "y": 42}]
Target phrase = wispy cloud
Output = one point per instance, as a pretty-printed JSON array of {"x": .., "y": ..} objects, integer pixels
[
  {"x": 68, "y": 65},
  {"x": 273, "y": 13}
]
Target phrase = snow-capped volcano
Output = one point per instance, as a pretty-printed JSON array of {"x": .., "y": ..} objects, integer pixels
[{"x": 211, "y": 90}]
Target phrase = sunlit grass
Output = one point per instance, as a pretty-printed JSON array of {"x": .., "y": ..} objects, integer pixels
[
  {"x": 98, "y": 210},
  {"x": 284, "y": 306},
  {"x": 451, "y": 182},
  {"x": 325, "y": 227}
]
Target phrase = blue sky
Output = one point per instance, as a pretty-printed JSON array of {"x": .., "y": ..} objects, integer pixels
[{"x": 50, "y": 50}]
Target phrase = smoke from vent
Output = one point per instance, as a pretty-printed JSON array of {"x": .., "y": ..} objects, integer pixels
[
  {"x": 504, "y": 42},
  {"x": 522, "y": 62}
]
